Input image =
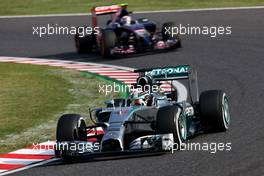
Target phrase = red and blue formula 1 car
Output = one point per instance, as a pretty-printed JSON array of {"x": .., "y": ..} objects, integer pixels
[{"x": 122, "y": 35}]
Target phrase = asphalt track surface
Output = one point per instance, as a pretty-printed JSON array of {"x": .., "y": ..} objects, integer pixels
[{"x": 233, "y": 63}]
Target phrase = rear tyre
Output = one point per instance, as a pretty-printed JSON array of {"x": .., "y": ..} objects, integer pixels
[
  {"x": 170, "y": 120},
  {"x": 84, "y": 44},
  {"x": 214, "y": 110},
  {"x": 108, "y": 43}
]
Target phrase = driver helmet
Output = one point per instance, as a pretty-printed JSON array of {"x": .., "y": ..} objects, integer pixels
[
  {"x": 136, "y": 99},
  {"x": 126, "y": 20},
  {"x": 149, "y": 99}
]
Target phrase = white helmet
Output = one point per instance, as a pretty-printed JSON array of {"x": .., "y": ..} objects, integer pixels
[{"x": 126, "y": 20}]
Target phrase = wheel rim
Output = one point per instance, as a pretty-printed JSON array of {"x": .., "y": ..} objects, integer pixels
[
  {"x": 225, "y": 112},
  {"x": 182, "y": 127}
]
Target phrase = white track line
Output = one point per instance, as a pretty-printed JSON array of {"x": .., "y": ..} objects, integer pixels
[
  {"x": 46, "y": 61},
  {"x": 1, "y": 170},
  {"x": 29, "y": 166},
  {"x": 99, "y": 72},
  {"x": 34, "y": 151},
  {"x": 126, "y": 79},
  {"x": 140, "y": 12},
  {"x": 122, "y": 77},
  {"x": 19, "y": 161},
  {"x": 120, "y": 73},
  {"x": 203, "y": 9}
]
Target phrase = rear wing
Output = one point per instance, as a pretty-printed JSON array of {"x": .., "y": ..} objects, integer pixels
[
  {"x": 166, "y": 73},
  {"x": 174, "y": 73},
  {"x": 103, "y": 10}
]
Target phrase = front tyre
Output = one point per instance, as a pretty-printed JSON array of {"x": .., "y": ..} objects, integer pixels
[
  {"x": 170, "y": 120},
  {"x": 71, "y": 127},
  {"x": 214, "y": 110}
]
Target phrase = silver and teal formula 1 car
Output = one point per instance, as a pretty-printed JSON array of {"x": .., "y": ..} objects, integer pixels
[{"x": 146, "y": 121}]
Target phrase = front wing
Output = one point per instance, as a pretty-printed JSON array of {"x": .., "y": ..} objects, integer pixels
[{"x": 150, "y": 143}]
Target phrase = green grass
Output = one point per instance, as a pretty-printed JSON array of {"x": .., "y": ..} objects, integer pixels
[
  {"x": 33, "y": 97},
  {"x": 27, "y": 7}
]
